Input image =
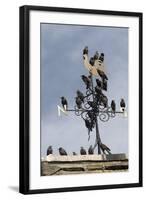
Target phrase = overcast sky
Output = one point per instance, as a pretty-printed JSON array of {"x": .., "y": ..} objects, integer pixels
[{"x": 61, "y": 67}]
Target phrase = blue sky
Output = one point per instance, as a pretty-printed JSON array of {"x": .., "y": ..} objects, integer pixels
[{"x": 61, "y": 67}]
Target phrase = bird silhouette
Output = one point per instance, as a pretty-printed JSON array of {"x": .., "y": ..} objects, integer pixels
[
  {"x": 104, "y": 100},
  {"x": 78, "y": 102},
  {"x": 82, "y": 151},
  {"x": 64, "y": 103},
  {"x": 113, "y": 105},
  {"x": 85, "y": 50},
  {"x": 99, "y": 83},
  {"x": 74, "y": 153},
  {"x": 92, "y": 61},
  {"x": 96, "y": 55},
  {"x": 62, "y": 152},
  {"x": 122, "y": 104},
  {"x": 90, "y": 150},
  {"x": 80, "y": 95},
  {"x": 104, "y": 84},
  {"x": 49, "y": 150},
  {"x": 101, "y": 57},
  {"x": 102, "y": 74},
  {"x": 86, "y": 80}
]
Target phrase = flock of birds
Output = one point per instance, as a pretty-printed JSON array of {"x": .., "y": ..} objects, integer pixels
[
  {"x": 100, "y": 84},
  {"x": 62, "y": 152},
  {"x": 96, "y": 67}
]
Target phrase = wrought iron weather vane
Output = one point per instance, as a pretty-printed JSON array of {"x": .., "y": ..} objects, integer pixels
[{"x": 93, "y": 105}]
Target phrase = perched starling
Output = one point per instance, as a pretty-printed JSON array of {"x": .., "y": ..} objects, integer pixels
[
  {"x": 122, "y": 104},
  {"x": 62, "y": 152},
  {"x": 105, "y": 148},
  {"x": 99, "y": 83},
  {"x": 78, "y": 102},
  {"x": 104, "y": 85},
  {"x": 102, "y": 74},
  {"x": 49, "y": 150},
  {"x": 92, "y": 61},
  {"x": 98, "y": 91},
  {"x": 113, "y": 105},
  {"x": 82, "y": 151},
  {"x": 64, "y": 103},
  {"x": 96, "y": 55},
  {"x": 91, "y": 115},
  {"x": 85, "y": 50},
  {"x": 80, "y": 95},
  {"x": 104, "y": 100},
  {"x": 86, "y": 81},
  {"x": 90, "y": 150},
  {"x": 101, "y": 57}
]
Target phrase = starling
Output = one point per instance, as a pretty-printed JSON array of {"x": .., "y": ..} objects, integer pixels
[
  {"x": 113, "y": 105},
  {"x": 62, "y": 152},
  {"x": 78, "y": 102},
  {"x": 122, "y": 104},
  {"x": 92, "y": 61},
  {"x": 98, "y": 91},
  {"x": 101, "y": 57},
  {"x": 64, "y": 103},
  {"x": 104, "y": 100},
  {"x": 49, "y": 150},
  {"x": 91, "y": 115},
  {"x": 104, "y": 85},
  {"x": 80, "y": 95},
  {"x": 86, "y": 81},
  {"x": 102, "y": 74},
  {"x": 90, "y": 150},
  {"x": 82, "y": 151},
  {"x": 96, "y": 55},
  {"x": 99, "y": 83},
  {"x": 85, "y": 50}
]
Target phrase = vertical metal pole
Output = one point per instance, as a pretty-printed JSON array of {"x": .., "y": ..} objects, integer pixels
[{"x": 98, "y": 140}]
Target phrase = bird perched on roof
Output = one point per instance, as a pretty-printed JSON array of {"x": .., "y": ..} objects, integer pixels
[
  {"x": 62, "y": 152},
  {"x": 85, "y": 50},
  {"x": 86, "y": 80},
  {"x": 113, "y": 105},
  {"x": 101, "y": 57},
  {"x": 122, "y": 104},
  {"x": 80, "y": 95},
  {"x": 92, "y": 61},
  {"x": 64, "y": 103},
  {"x": 104, "y": 148},
  {"x": 74, "y": 153},
  {"x": 78, "y": 102},
  {"x": 49, "y": 150},
  {"x": 82, "y": 151},
  {"x": 102, "y": 74},
  {"x": 90, "y": 150},
  {"x": 96, "y": 55}
]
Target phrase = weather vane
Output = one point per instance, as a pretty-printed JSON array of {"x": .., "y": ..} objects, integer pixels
[{"x": 93, "y": 105}]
